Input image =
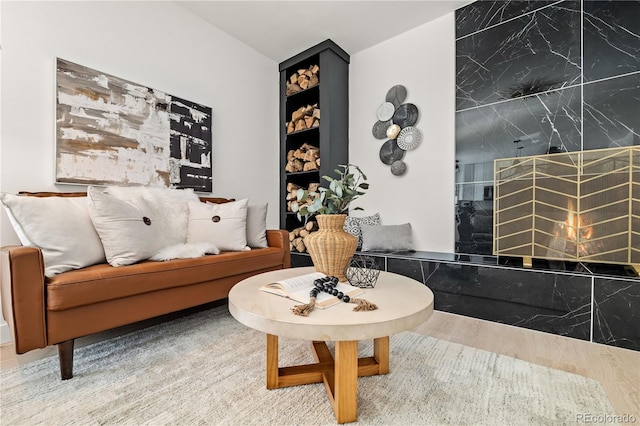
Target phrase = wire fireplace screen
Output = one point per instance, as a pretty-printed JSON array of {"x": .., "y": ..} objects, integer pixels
[{"x": 578, "y": 206}]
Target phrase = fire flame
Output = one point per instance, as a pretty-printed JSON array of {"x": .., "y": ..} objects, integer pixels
[{"x": 577, "y": 228}]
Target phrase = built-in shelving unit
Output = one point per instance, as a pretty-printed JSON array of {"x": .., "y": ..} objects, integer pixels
[{"x": 328, "y": 127}]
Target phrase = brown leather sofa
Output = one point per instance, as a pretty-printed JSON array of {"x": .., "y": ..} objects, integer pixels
[{"x": 45, "y": 311}]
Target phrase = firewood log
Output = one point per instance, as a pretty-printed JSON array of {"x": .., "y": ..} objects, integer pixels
[
  {"x": 294, "y": 165},
  {"x": 313, "y": 187},
  {"x": 314, "y": 69},
  {"x": 300, "y": 125},
  {"x": 298, "y": 114},
  {"x": 290, "y": 127},
  {"x": 299, "y": 245},
  {"x": 292, "y": 187},
  {"x": 311, "y": 226},
  {"x": 309, "y": 121},
  {"x": 311, "y": 155},
  {"x": 309, "y": 166},
  {"x": 292, "y": 88},
  {"x": 306, "y": 146},
  {"x": 308, "y": 109}
]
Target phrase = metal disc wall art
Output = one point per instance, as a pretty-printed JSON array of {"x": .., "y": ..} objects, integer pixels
[
  {"x": 392, "y": 131},
  {"x": 398, "y": 168},
  {"x": 405, "y": 115},
  {"x": 396, "y": 95},
  {"x": 386, "y": 111},
  {"x": 390, "y": 152},
  {"x": 409, "y": 138},
  {"x": 396, "y": 123},
  {"x": 380, "y": 129}
]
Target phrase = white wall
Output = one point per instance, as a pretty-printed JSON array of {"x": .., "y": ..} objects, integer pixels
[
  {"x": 158, "y": 44},
  {"x": 191, "y": 59},
  {"x": 423, "y": 60}
]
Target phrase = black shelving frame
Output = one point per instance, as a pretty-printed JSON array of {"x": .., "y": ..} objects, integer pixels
[{"x": 332, "y": 136}]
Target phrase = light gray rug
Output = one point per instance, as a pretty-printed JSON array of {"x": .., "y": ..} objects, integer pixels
[{"x": 208, "y": 369}]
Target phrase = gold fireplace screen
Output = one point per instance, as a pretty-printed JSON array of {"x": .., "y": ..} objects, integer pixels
[{"x": 576, "y": 206}]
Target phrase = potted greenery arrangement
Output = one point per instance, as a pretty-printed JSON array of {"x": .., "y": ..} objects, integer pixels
[
  {"x": 331, "y": 247},
  {"x": 337, "y": 198}
]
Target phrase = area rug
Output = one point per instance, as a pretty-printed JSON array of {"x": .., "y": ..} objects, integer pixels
[{"x": 207, "y": 369}]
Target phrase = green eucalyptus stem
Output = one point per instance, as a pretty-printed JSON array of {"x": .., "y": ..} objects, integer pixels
[{"x": 334, "y": 199}]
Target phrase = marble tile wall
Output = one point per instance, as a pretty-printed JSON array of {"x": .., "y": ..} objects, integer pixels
[
  {"x": 616, "y": 314},
  {"x": 573, "y": 303},
  {"x": 535, "y": 77}
]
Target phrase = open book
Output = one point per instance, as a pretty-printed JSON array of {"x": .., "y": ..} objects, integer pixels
[{"x": 298, "y": 288}]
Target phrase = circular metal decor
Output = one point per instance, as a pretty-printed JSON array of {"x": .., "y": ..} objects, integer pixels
[
  {"x": 390, "y": 152},
  {"x": 380, "y": 129},
  {"x": 385, "y": 111},
  {"x": 398, "y": 168},
  {"x": 396, "y": 95},
  {"x": 392, "y": 131},
  {"x": 409, "y": 138},
  {"x": 406, "y": 115}
]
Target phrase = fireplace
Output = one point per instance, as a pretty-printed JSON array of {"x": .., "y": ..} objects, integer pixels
[{"x": 576, "y": 206}]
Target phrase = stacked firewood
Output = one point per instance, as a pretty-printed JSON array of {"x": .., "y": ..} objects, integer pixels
[
  {"x": 303, "y": 159},
  {"x": 296, "y": 237},
  {"x": 303, "y": 79},
  {"x": 305, "y": 117},
  {"x": 292, "y": 194}
]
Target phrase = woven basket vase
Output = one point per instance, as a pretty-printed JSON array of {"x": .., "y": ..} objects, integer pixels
[{"x": 331, "y": 247}]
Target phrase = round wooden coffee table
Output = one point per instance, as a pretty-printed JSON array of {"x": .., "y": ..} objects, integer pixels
[{"x": 403, "y": 304}]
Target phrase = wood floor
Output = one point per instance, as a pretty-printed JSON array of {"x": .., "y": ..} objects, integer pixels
[{"x": 617, "y": 370}]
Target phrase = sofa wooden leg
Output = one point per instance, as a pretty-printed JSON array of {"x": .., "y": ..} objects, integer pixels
[{"x": 65, "y": 355}]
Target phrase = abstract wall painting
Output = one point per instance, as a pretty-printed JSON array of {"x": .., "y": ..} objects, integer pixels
[{"x": 110, "y": 131}]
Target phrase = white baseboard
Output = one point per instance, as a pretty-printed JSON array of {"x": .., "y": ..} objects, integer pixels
[{"x": 5, "y": 333}]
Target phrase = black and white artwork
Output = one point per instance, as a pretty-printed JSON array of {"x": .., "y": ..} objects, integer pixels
[{"x": 112, "y": 131}]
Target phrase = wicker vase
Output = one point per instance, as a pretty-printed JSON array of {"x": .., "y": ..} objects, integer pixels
[{"x": 331, "y": 247}]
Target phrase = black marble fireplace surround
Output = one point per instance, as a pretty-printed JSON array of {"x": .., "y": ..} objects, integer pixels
[
  {"x": 598, "y": 303},
  {"x": 536, "y": 77}
]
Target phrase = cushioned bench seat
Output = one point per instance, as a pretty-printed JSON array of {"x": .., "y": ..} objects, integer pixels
[{"x": 100, "y": 283}]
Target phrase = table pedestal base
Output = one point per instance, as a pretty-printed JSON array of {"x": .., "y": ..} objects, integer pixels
[{"x": 340, "y": 375}]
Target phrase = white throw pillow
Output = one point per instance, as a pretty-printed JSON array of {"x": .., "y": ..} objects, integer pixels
[
  {"x": 172, "y": 204},
  {"x": 224, "y": 225},
  {"x": 60, "y": 226},
  {"x": 256, "y": 225},
  {"x": 130, "y": 231},
  {"x": 185, "y": 251}
]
